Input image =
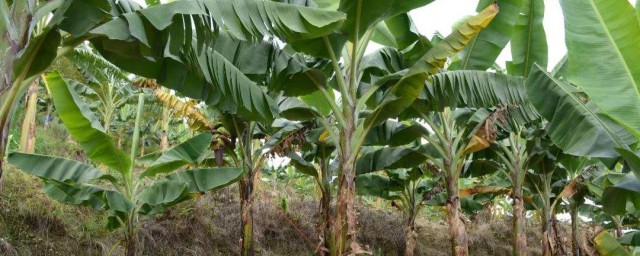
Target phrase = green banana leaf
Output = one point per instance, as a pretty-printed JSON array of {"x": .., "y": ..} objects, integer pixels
[
  {"x": 390, "y": 158},
  {"x": 54, "y": 168},
  {"x": 377, "y": 185},
  {"x": 408, "y": 88},
  {"x": 602, "y": 39},
  {"x": 484, "y": 49},
  {"x": 529, "y": 40},
  {"x": 204, "y": 180},
  {"x": 475, "y": 89},
  {"x": 398, "y": 32},
  {"x": 76, "y": 194},
  {"x": 302, "y": 165},
  {"x": 161, "y": 195},
  {"x": 364, "y": 14},
  {"x": 188, "y": 152},
  {"x": 615, "y": 199},
  {"x": 84, "y": 127},
  {"x": 394, "y": 133},
  {"x": 575, "y": 124},
  {"x": 607, "y": 245}
]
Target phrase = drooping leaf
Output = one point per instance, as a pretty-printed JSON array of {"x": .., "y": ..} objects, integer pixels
[
  {"x": 251, "y": 20},
  {"x": 188, "y": 152},
  {"x": 602, "y": 38},
  {"x": 575, "y": 125},
  {"x": 484, "y": 49},
  {"x": 389, "y": 158},
  {"x": 377, "y": 185},
  {"x": 363, "y": 14},
  {"x": 54, "y": 168},
  {"x": 394, "y": 133},
  {"x": 38, "y": 54},
  {"x": 529, "y": 40},
  {"x": 84, "y": 127},
  {"x": 398, "y": 32},
  {"x": 632, "y": 159},
  {"x": 476, "y": 89},
  {"x": 616, "y": 197},
  {"x": 295, "y": 109},
  {"x": 161, "y": 195},
  {"x": 407, "y": 89},
  {"x": 630, "y": 239},
  {"x": 607, "y": 245},
  {"x": 203, "y": 180},
  {"x": 77, "y": 194},
  {"x": 302, "y": 165}
]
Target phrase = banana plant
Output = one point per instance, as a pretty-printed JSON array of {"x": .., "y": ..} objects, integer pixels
[
  {"x": 130, "y": 192},
  {"x": 411, "y": 187},
  {"x": 315, "y": 159},
  {"x": 357, "y": 115}
]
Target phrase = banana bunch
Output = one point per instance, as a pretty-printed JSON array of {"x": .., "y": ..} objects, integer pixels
[{"x": 187, "y": 109}]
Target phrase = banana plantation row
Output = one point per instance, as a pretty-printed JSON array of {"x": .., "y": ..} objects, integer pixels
[{"x": 290, "y": 78}]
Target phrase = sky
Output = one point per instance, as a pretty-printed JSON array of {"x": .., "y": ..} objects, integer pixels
[{"x": 439, "y": 16}]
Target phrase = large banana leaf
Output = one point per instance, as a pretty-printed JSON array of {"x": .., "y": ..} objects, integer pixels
[
  {"x": 54, "y": 168},
  {"x": 398, "y": 32},
  {"x": 575, "y": 125},
  {"x": 234, "y": 92},
  {"x": 302, "y": 165},
  {"x": 203, "y": 180},
  {"x": 529, "y": 40},
  {"x": 377, "y": 185},
  {"x": 188, "y": 152},
  {"x": 389, "y": 158},
  {"x": 476, "y": 89},
  {"x": 621, "y": 196},
  {"x": 38, "y": 54},
  {"x": 602, "y": 38},
  {"x": 161, "y": 195},
  {"x": 78, "y": 16},
  {"x": 394, "y": 133},
  {"x": 363, "y": 14},
  {"x": 607, "y": 245},
  {"x": 84, "y": 127},
  {"x": 295, "y": 109},
  {"x": 408, "y": 88},
  {"x": 76, "y": 194},
  {"x": 484, "y": 49},
  {"x": 251, "y": 19},
  {"x": 630, "y": 239}
]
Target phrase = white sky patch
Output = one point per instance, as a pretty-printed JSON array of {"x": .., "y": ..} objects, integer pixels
[{"x": 441, "y": 15}]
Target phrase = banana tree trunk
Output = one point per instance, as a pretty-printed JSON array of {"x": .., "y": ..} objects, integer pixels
[
  {"x": 575, "y": 244},
  {"x": 617, "y": 222},
  {"x": 344, "y": 223},
  {"x": 519, "y": 222},
  {"x": 130, "y": 236},
  {"x": 164, "y": 140},
  {"x": 457, "y": 229},
  {"x": 27, "y": 138},
  {"x": 325, "y": 211},
  {"x": 546, "y": 220},
  {"x": 4, "y": 139},
  {"x": 246, "y": 215},
  {"x": 410, "y": 231},
  {"x": 546, "y": 234}
]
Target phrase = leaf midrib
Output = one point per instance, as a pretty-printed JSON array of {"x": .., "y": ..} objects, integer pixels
[{"x": 616, "y": 48}]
